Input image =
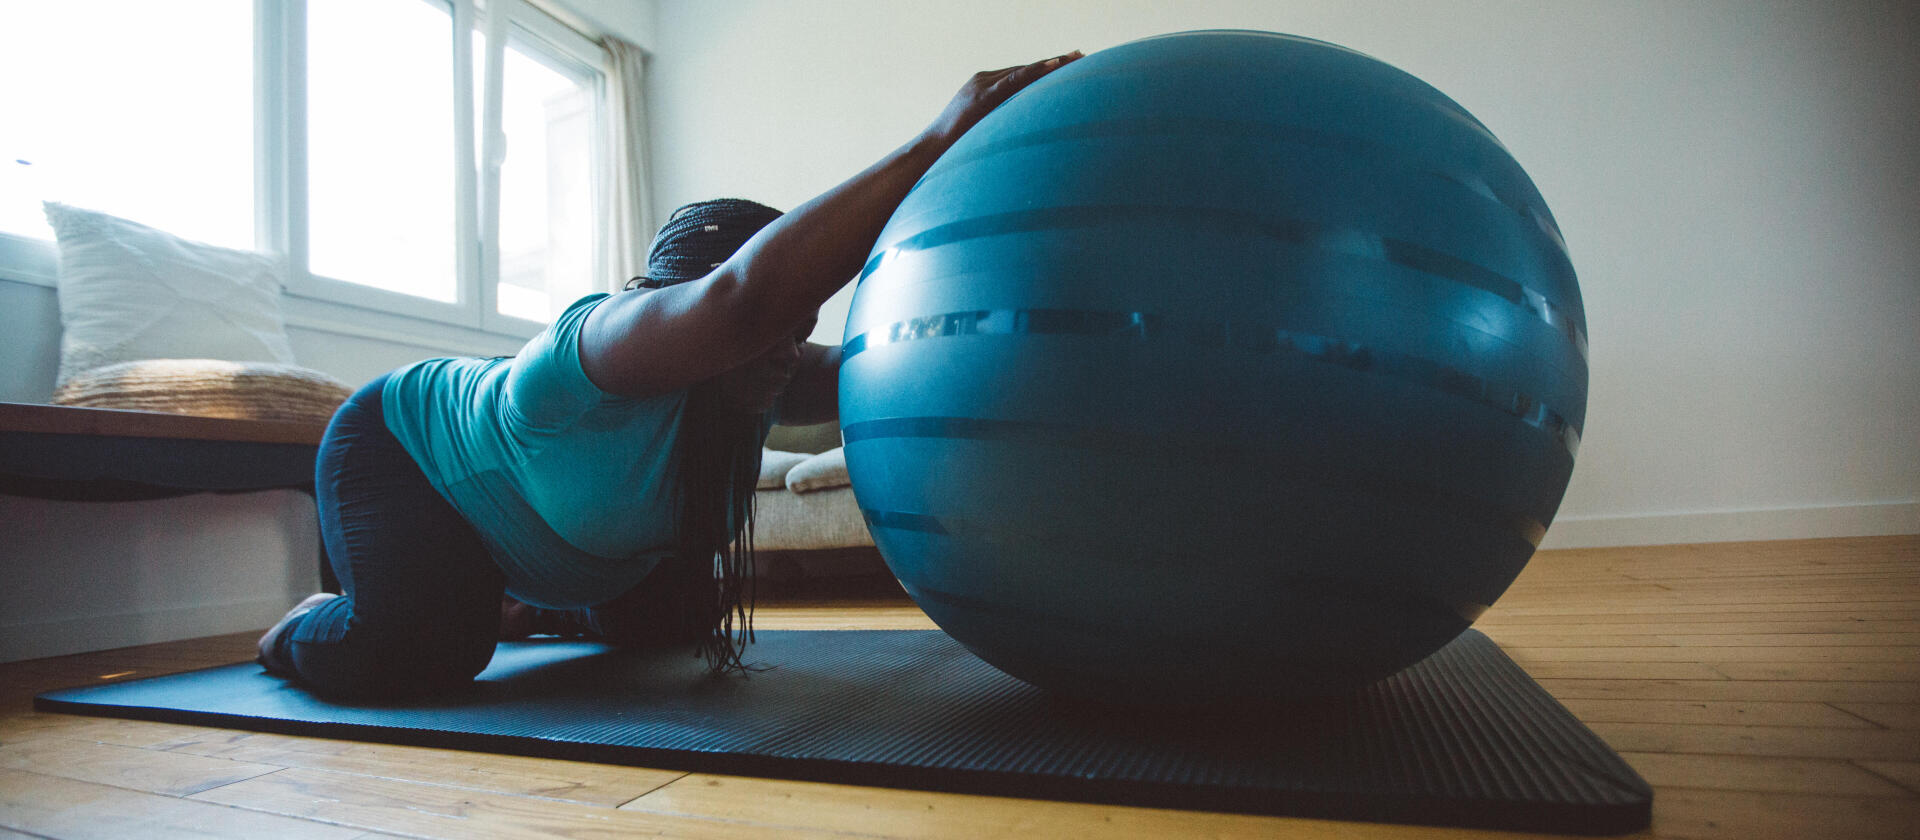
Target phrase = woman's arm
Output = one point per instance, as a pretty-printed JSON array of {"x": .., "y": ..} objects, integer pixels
[{"x": 666, "y": 340}]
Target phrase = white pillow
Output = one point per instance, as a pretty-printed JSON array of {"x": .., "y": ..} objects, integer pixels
[
  {"x": 130, "y": 292},
  {"x": 824, "y": 471},
  {"x": 774, "y": 465}
]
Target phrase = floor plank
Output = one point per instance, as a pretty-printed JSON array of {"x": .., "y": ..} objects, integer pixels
[
  {"x": 1781, "y": 741},
  {"x": 1727, "y": 689},
  {"x": 1894, "y": 655},
  {"x": 1907, "y": 607},
  {"x": 49, "y": 806},
  {"x": 1718, "y": 639},
  {"x": 779, "y": 806},
  {"x": 1752, "y": 815},
  {"x": 152, "y": 771},
  {"x": 1889, "y": 715},
  {"x": 1511, "y": 614},
  {"x": 434, "y": 811},
  {"x": 902, "y": 617},
  {"x": 1511, "y": 639},
  {"x": 568, "y": 781},
  {"x": 1766, "y": 774},
  {"x": 125, "y": 733},
  {"x": 1719, "y": 625},
  {"x": 1904, "y": 773},
  {"x": 1905, "y": 672},
  {"x": 1719, "y": 712},
  {"x": 1546, "y": 669}
]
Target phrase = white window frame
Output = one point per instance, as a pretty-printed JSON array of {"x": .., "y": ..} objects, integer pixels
[
  {"x": 546, "y": 40},
  {"x": 281, "y": 137},
  {"x": 280, "y": 185},
  {"x": 24, "y": 259}
]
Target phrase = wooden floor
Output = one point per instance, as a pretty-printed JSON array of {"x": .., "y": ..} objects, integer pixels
[{"x": 1765, "y": 689}]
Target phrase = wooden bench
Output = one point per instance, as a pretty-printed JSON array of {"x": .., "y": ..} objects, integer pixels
[{"x": 95, "y": 454}]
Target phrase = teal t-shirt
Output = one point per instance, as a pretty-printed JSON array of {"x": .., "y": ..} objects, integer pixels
[{"x": 569, "y": 487}]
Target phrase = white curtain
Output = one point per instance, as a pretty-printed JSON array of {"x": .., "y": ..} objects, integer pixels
[{"x": 626, "y": 227}]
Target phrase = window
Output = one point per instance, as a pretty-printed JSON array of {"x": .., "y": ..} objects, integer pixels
[
  {"x": 103, "y": 108},
  {"x": 546, "y": 187},
  {"x": 380, "y": 173},
  {"x": 322, "y": 129}
]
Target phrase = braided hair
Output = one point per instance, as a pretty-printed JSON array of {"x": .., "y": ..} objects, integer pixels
[
  {"x": 717, "y": 455},
  {"x": 699, "y": 237}
]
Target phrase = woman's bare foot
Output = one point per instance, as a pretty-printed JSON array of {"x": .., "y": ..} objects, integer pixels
[
  {"x": 305, "y": 606},
  {"x": 516, "y": 619},
  {"x": 519, "y": 621}
]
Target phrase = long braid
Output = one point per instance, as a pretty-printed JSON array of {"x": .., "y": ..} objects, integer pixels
[
  {"x": 719, "y": 455},
  {"x": 718, "y": 452}
]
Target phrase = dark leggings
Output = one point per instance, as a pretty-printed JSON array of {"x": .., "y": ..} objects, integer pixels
[{"x": 422, "y": 599}]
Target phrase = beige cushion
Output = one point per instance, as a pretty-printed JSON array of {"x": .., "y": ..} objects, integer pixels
[
  {"x": 774, "y": 465},
  {"x": 824, "y": 471},
  {"x": 784, "y": 521},
  {"x": 208, "y": 388}
]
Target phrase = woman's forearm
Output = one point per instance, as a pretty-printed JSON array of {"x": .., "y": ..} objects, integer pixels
[
  {"x": 794, "y": 264},
  {"x": 668, "y": 339}
]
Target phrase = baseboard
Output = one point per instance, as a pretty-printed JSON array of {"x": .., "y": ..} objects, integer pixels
[
  {"x": 103, "y": 632},
  {"x": 1858, "y": 520}
]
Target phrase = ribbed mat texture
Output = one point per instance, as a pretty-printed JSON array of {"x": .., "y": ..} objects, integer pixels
[{"x": 1464, "y": 738}]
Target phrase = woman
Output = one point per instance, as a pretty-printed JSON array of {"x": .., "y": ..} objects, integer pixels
[{"x": 599, "y": 482}]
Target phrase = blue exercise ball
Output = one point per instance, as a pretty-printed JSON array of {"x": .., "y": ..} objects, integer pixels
[{"x": 1216, "y": 366}]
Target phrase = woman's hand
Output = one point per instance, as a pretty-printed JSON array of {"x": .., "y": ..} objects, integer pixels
[{"x": 984, "y": 92}]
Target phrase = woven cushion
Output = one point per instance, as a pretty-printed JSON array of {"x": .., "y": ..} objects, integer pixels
[{"x": 208, "y": 388}]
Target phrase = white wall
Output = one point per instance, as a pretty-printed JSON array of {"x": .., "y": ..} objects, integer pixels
[
  {"x": 1739, "y": 182},
  {"x": 628, "y": 20},
  {"x": 96, "y": 575}
]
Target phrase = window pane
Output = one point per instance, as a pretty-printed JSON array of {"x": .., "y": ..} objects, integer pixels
[
  {"x": 546, "y": 195},
  {"x": 380, "y": 145},
  {"x": 136, "y": 108}
]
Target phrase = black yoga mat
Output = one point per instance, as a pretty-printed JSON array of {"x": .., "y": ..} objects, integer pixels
[{"x": 1463, "y": 738}]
